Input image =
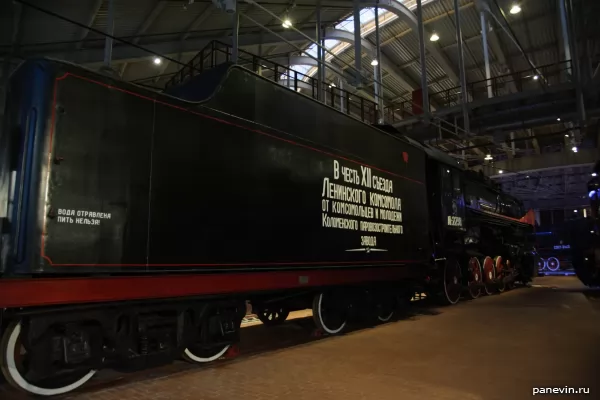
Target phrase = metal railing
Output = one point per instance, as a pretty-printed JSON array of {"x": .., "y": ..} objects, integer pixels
[
  {"x": 217, "y": 53},
  {"x": 516, "y": 82}
]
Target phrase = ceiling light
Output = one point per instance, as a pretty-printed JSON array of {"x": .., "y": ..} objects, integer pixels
[
  {"x": 558, "y": 119},
  {"x": 515, "y": 9},
  {"x": 434, "y": 37},
  {"x": 501, "y": 171},
  {"x": 488, "y": 157},
  {"x": 574, "y": 149},
  {"x": 594, "y": 174},
  {"x": 566, "y": 135},
  {"x": 536, "y": 77},
  {"x": 333, "y": 84},
  {"x": 157, "y": 60},
  {"x": 374, "y": 62},
  {"x": 574, "y": 210},
  {"x": 287, "y": 23}
]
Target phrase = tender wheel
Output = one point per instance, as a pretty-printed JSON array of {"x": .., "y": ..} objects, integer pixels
[
  {"x": 451, "y": 282},
  {"x": 272, "y": 316},
  {"x": 553, "y": 264},
  {"x": 541, "y": 264},
  {"x": 386, "y": 308},
  {"x": 475, "y": 278},
  {"x": 500, "y": 273},
  {"x": 329, "y": 313},
  {"x": 14, "y": 365},
  {"x": 489, "y": 275},
  {"x": 197, "y": 354}
]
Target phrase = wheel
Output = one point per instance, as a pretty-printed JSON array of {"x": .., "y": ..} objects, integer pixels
[
  {"x": 541, "y": 264},
  {"x": 510, "y": 272},
  {"x": 500, "y": 272},
  {"x": 475, "y": 277},
  {"x": 14, "y": 364},
  {"x": 329, "y": 313},
  {"x": 386, "y": 308},
  {"x": 272, "y": 316},
  {"x": 489, "y": 275},
  {"x": 553, "y": 264},
  {"x": 451, "y": 282},
  {"x": 198, "y": 354}
]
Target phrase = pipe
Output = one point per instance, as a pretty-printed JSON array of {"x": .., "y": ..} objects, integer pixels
[
  {"x": 565, "y": 32},
  {"x": 486, "y": 55},
  {"x": 320, "y": 94},
  {"x": 357, "y": 44},
  {"x": 377, "y": 71},
  {"x": 424, "y": 90},
  {"x": 110, "y": 28},
  {"x": 461, "y": 66}
]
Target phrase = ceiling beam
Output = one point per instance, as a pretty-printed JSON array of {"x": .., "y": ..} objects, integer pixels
[
  {"x": 386, "y": 63},
  {"x": 89, "y": 22},
  {"x": 123, "y": 52},
  {"x": 203, "y": 16},
  {"x": 146, "y": 24},
  {"x": 410, "y": 18}
]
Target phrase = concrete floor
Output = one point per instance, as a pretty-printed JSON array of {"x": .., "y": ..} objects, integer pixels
[{"x": 497, "y": 347}]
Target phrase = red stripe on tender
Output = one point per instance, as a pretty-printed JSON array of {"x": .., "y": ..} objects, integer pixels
[{"x": 56, "y": 291}]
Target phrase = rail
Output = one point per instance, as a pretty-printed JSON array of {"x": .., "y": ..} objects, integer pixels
[
  {"x": 217, "y": 53},
  {"x": 515, "y": 82}
]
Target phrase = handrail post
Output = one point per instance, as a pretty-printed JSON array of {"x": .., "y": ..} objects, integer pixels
[
  {"x": 295, "y": 80},
  {"x": 362, "y": 109}
]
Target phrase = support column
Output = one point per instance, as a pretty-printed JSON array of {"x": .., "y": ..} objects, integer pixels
[
  {"x": 512, "y": 144},
  {"x": 260, "y": 55},
  {"x": 562, "y": 10},
  {"x": 342, "y": 98},
  {"x": 486, "y": 55},
  {"x": 377, "y": 71},
  {"x": 424, "y": 89},
  {"x": 357, "y": 44},
  {"x": 110, "y": 30},
  {"x": 461, "y": 66},
  {"x": 576, "y": 67},
  {"x": 235, "y": 35},
  {"x": 320, "y": 54}
]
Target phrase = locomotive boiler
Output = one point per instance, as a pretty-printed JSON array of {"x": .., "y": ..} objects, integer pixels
[{"x": 136, "y": 225}]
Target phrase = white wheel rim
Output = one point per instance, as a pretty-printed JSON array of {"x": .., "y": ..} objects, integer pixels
[
  {"x": 320, "y": 316},
  {"x": 197, "y": 359},
  {"x": 556, "y": 262},
  {"x": 446, "y": 290},
  {"x": 385, "y": 319},
  {"x": 17, "y": 378}
]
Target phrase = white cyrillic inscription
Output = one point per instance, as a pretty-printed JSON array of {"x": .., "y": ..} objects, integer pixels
[
  {"x": 81, "y": 217},
  {"x": 356, "y": 199}
]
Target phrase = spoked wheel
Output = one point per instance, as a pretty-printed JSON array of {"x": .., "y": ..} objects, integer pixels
[
  {"x": 541, "y": 264},
  {"x": 15, "y": 362},
  {"x": 500, "y": 272},
  {"x": 330, "y": 313},
  {"x": 385, "y": 308},
  {"x": 452, "y": 282},
  {"x": 553, "y": 264},
  {"x": 489, "y": 275},
  {"x": 272, "y": 316},
  {"x": 475, "y": 278},
  {"x": 204, "y": 354}
]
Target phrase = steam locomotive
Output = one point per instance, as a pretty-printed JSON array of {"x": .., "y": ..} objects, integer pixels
[{"x": 136, "y": 225}]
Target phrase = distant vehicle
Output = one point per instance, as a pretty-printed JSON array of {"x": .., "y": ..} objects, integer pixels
[
  {"x": 586, "y": 249},
  {"x": 136, "y": 225}
]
